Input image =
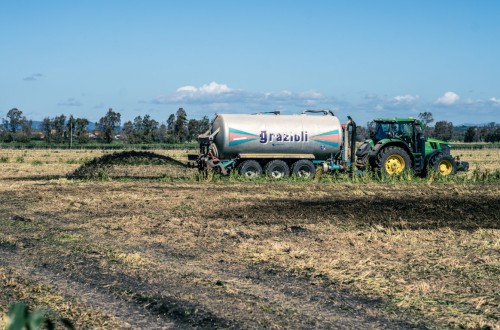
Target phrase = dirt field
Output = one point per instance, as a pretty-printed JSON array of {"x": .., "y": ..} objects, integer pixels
[{"x": 149, "y": 246}]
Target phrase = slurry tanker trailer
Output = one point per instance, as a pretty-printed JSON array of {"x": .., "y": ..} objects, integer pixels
[{"x": 282, "y": 145}]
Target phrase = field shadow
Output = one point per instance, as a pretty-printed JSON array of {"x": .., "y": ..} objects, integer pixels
[
  {"x": 34, "y": 178},
  {"x": 455, "y": 212}
]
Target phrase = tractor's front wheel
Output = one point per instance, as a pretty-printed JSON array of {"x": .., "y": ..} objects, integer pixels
[
  {"x": 393, "y": 161},
  {"x": 444, "y": 165}
]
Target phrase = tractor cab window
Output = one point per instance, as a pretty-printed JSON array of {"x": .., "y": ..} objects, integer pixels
[
  {"x": 393, "y": 130},
  {"x": 381, "y": 130},
  {"x": 405, "y": 129}
]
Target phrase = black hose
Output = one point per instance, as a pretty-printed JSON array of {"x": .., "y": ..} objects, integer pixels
[{"x": 353, "y": 143}]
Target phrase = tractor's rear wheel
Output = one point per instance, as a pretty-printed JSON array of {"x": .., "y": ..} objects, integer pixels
[
  {"x": 277, "y": 169},
  {"x": 393, "y": 161},
  {"x": 444, "y": 165},
  {"x": 304, "y": 169},
  {"x": 250, "y": 169}
]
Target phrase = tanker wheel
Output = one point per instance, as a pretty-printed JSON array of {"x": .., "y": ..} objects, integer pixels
[
  {"x": 393, "y": 161},
  {"x": 444, "y": 165},
  {"x": 250, "y": 169},
  {"x": 277, "y": 169},
  {"x": 304, "y": 169}
]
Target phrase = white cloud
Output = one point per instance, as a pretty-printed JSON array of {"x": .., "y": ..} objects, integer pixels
[
  {"x": 208, "y": 93},
  {"x": 310, "y": 95},
  {"x": 405, "y": 98},
  {"x": 215, "y": 94},
  {"x": 191, "y": 89},
  {"x": 215, "y": 88},
  {"x": 495, "y": 101},
  {"x": 449, "y": 98},
  {"x": 212, "y": 88}
]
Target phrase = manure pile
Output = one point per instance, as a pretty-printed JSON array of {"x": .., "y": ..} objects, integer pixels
[{"x": 131, "y": 164}]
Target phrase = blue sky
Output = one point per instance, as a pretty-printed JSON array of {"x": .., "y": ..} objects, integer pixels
[{"x": 366, "y": 59}]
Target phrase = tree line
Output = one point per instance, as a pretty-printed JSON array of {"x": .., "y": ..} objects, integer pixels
[
  {"x": 179, "y": 129},
  {"x": 15, "y": 127},
  {"x": 444, "y": 130}
]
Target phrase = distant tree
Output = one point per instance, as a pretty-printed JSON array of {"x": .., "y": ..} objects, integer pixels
[
  {"x": 15, "y": 119},
  {"x": 162, "y": 133},
  {"x": 70, "y": 127},
  {"x": 443, "y": 130},
  {"x": 137, "y": 131},
  {"x": 128, "y": 131},
  {"x": 149, "y": 129},
  {"x": 138, "y": 122},
  {"x": 4, "y": 135},
  {"x": 171, "y": 123},
  {"x": 47, "y": 129},
  {"x": 193, "y": 127},
  {"x": 361, "y": 134},
  {"x": 426, "y": 118},
  {"x": 180, "y": 126},
  {"x": 204, "y": 125},
  {"x": 59, "y": 126},
  {"x": 81, "y": 125},
  {"x": 493, "y": 136},
  {"x": 482, "y": 133},
  {"x": 491, "y": 125},
  {"x": 470, "y": 134},
  {"x": 109, "y": 124},
  {"x": 25, "y": 134}
]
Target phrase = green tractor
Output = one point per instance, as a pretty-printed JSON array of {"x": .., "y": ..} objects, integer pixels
[{"x": 397, "y": 145}]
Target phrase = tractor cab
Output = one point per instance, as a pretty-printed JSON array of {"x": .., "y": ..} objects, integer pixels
[{"x": 408, "y": 130}]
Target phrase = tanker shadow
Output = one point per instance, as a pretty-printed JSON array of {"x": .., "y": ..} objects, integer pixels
[
  {"x": 113, "y": 177},
  {"x": 454, "y": 212}
]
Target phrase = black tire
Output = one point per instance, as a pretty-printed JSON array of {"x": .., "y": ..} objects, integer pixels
[
  {"x": 277, "y": 169},
  {"x": 250, "y": 169},
  {"x": 393, "y": 160},
  {"x": 362, "y": 156},
  {"x": 444, "y": 165},
  {"x": 304, "y": 168}
]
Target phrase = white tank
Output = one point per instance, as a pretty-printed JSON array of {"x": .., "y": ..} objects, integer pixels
[{"x": 320, "y": 135}]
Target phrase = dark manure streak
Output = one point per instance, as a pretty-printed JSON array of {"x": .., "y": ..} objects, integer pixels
[
  {"x": 92, "y": 168},
  {"x": 455, "y": 212}
]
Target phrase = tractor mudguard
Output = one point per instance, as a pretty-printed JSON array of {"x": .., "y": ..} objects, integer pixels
[
  {"x": 431, "y": 155},
  {"x": 376, "y": 149},
  {"x": 363, "y": 150}
]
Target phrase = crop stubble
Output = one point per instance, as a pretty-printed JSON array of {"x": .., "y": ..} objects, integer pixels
[{"x": 250, "y": 255}]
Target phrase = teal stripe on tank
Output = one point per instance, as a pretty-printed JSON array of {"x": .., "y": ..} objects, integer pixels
[
  {"x": 237, "y": 131},
  {"x": 328, "y": 133},
  {"x": 333, "y": 144},
  {"x": 235, "y": 143}
]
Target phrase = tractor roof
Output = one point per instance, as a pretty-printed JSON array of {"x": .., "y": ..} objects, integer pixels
[{"x": 395, "y": 120}]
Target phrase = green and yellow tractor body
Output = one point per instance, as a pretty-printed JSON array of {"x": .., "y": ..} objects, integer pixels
[{"x": 397, "y": 145}]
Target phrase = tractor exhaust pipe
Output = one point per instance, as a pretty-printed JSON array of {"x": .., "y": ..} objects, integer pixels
[{"x": 353, "y": 142}]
